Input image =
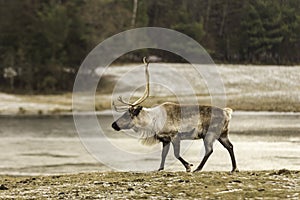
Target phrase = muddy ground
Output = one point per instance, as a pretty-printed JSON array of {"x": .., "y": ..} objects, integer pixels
[{"x": 280, "y": 184}]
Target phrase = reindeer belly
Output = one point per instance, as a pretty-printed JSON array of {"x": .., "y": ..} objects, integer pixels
[
  {"x": 193, "y": 134},
  {"x": 166, "y": 136},
  {"x": 191, "y": 129}
]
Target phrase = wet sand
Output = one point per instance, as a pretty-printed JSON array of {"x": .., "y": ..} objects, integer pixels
[
  {"x": 280, "y": 184},
  {"x": 50, "y": 145}
]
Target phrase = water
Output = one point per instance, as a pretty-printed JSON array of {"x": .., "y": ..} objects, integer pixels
[{"x": 51, "y": 145}]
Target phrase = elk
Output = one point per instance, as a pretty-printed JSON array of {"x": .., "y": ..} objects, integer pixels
[{"x": 170, "y": 123}]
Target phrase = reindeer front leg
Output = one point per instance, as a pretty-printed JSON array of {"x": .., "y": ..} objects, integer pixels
[{"x": 164, "y": 153}]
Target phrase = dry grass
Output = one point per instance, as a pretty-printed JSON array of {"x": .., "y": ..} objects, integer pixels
[{"x": 249, "y": 88}]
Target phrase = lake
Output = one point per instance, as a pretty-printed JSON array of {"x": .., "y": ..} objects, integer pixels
[{"x": 32, "y": 145}]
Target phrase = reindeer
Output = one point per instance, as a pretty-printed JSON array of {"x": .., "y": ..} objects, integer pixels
[{"x": 170, "y": 123}]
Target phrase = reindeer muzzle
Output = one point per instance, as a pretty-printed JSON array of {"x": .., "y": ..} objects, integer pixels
[{"x": 115, "y": 126}]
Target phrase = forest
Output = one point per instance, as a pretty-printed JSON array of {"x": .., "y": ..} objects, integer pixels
[{"x": 42, "y": 43}]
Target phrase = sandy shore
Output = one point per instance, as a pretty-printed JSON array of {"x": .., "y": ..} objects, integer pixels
[{"x": 281, "y": 184}]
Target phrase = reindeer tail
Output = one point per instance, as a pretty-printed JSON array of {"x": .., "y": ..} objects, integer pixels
[{"x": 228, "y": 112}]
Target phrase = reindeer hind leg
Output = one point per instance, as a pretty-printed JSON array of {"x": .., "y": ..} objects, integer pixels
[
  {"x": 208, "y": 144},
  {"x": 227, "y": 144}
]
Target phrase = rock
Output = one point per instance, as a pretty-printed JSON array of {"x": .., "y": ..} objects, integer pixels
[
  {"x": 3, "y": 187},
  {"x": 146, "y": 185},
  {"x": 98, "y": 182},
  {"x": 106, "y": 184},
  {"x": 139, "y": 180},
  {"x": 283, "y": 171},
  {"x": 24, "y": 181},
  {"x": 169, "y": 175},
  {"x": 235, "y": 181},
  {"x": 253, "y": 174}
]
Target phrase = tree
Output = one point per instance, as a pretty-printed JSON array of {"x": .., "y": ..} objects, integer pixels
[
  {"x": 263, "y": 32},
  {"x": 134, "y": 11},
  {"x": 288, "y": 50},
  {"x": 45, "y": 41},
  {"x": 104, "y": 19}
]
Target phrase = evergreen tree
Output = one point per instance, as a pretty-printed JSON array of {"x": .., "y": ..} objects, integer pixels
[{"x": 44, "y": 42}]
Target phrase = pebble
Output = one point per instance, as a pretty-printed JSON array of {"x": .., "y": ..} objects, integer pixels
[
  {"x": 146, "y": 185},
  {"x": 235, "y": 181},
  {"x": 284, "y": 171},
  {"x": 3, "y": 187},
  {"x": 98, "y": 182},
  {"x": 106, "y": 184}
]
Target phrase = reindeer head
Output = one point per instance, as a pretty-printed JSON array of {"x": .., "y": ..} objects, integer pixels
[{"x": 132, "y": 109}]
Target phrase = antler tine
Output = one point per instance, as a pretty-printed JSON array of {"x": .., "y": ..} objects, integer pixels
[
  {"x": 146, "y": 92},
  {"x": 119, "y": 109},
  {"x": 145, "y": 61},
  {"x": 124, "y": 102}
]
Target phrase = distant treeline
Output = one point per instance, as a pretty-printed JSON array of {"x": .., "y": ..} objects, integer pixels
[{"x": 42, "y": 43}]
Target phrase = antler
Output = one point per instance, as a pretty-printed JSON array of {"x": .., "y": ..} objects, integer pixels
[
  {"x": 146, "y": 92},
  {"x": 119, "y": 108},
  {"x": 124, "y": 102}
]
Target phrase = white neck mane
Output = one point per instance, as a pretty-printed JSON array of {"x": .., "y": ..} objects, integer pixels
[{"x": 148, "y": 123}]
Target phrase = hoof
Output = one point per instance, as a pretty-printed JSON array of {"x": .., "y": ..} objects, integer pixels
[
  {"x": 197, "y": 170},
  {"x": 160, "y": 169},
  {"x": 188, "y": 167},
  {"x": 235, "y": 170}
]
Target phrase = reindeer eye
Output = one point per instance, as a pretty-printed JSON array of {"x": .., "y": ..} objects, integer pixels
[{"x": 135, "y": 111}]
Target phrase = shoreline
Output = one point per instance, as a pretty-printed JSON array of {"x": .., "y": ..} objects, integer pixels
[
  {"x": 108, "y": 112},
  {"x": 282, "y": 183},
  {"x": 249, "y": 88}
]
